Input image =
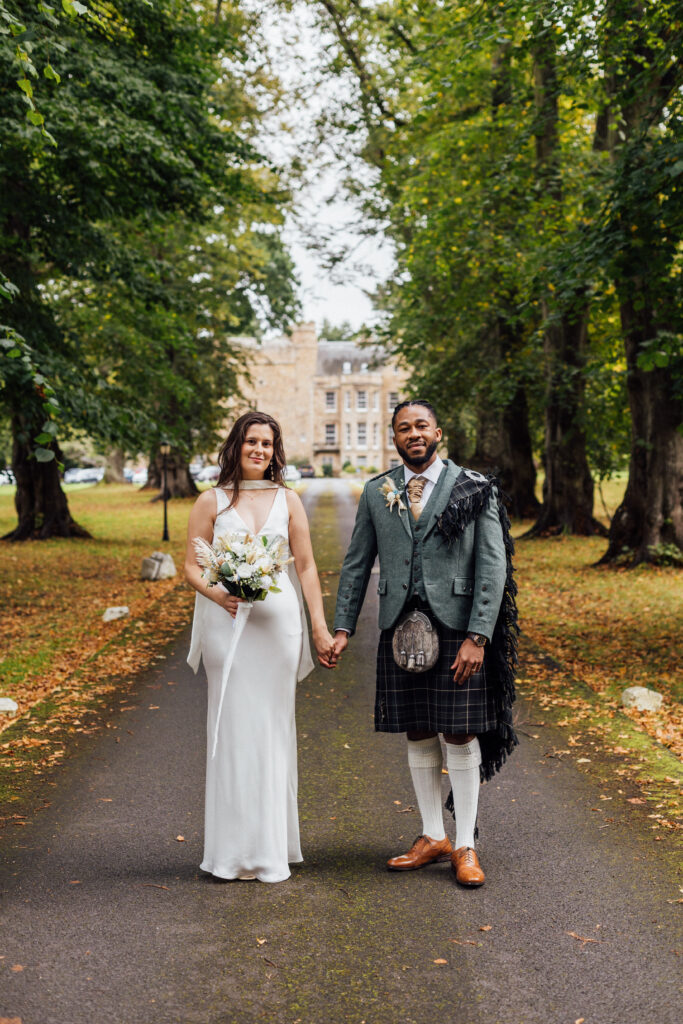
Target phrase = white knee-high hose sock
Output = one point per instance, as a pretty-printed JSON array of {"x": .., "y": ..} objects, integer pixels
[
  {"x": 425, "y": 760},
  {"x": 463, "y": 770}
]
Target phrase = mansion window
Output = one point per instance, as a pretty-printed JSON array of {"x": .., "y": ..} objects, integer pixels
[
  {"x": 348, "y": 435},
  {"x": 390, "y": 437},
  {"x": 347, "y": 401},
  {"x": 331, "y": 400},
  {"x": 394, "y": 463},
  {"x": 375, "y": 401},
  {"x": 375, "y": 435},
  {"x": 361, "y": 401},
  {"x": 362, "y": 461},
  {"x": 346, "y": 367},
  {"x": 362, "y": 435},
  {"x": 393, "y": 400},
  {"x": 330, "y": 433}
]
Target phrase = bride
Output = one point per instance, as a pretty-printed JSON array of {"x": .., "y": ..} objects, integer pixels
[{"x": 251, "y": 818}]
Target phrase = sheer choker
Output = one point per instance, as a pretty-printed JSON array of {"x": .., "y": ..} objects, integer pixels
[{"x": 257, "y": 485}]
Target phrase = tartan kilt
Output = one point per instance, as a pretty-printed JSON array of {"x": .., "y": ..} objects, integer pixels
[{"x": 430, "y": 701}]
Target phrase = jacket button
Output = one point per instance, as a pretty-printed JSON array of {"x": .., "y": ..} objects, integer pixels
[
  {"x": 407, "y": 561},
  {"x": 405, "y": 586},
  {"x": 484, "y": 587}
]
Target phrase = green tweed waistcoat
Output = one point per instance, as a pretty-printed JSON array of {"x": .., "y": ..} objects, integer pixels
[{"x": 463, "y": 583}]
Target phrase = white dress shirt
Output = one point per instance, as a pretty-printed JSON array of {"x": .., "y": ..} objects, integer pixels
[{"x": 431, "y": 474}]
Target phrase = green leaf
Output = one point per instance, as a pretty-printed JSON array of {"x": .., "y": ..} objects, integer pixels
[
  {"x": 44, "y": 455},
  {"x": 14, "y": 354},
  {"x": 35, "y": 117},
  {"x": 43, "y": 438},
  {"x": 25, "y": 86},
  {"x": 50, "y": 72}
]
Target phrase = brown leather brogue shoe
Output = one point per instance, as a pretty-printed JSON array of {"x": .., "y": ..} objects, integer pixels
[
  {"x": 423, "y": 851},
  {"x": 465, "y": 864}
]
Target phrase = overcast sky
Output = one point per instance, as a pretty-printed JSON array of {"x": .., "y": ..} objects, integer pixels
[{"x": 295, "y": 51}]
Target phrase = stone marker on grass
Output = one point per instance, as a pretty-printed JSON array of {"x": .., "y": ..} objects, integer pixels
[
  {"x": 115, "y": 612},
  {"x": 159, "y": 566},
  {"x": 8, "y": 706},
  {"x": 641, "y": 698}
]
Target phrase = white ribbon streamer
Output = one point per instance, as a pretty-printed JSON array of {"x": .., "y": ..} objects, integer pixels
[{"x": 243, "y": 610}]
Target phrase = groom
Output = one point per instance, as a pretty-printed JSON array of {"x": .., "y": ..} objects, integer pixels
[{"x": 444, "y": 549}]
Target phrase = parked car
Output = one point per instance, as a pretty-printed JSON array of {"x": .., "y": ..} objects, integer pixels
[
  {"x": 208, "y": 473},
  {"x": 83, "y": 475},
  {"x": 139, "y": 476},
  {"x": 306, "y": 469},
  {"x": 7, "y": 476},
  {"x": 195, "y": 469},
  {"x": 291, "y": 473}
]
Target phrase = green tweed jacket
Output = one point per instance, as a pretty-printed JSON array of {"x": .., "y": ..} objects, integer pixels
[{"x": 464, "y": 583}]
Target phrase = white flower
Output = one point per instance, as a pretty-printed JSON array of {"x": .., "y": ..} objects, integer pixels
[
  {"x": 266, "y": 582},
  {"x": 244, "y": 570}
]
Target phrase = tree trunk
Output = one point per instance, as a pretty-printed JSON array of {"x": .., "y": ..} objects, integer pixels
[
  {"x": 651, "y": 512},
  {"x": 503, "y": 447},
  {"x": 179, "y": 483},
  {"x": 113, "y": 467},
  {"x": 568, "y": 487},
  {"x": 42, "y": 508}
]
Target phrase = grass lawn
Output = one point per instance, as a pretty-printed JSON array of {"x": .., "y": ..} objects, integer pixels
[{"x": 54, "y": 592}]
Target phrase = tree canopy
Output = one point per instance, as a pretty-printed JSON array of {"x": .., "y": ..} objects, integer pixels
[
  {"x": 526, "y": 162},
  {"x": 140, "y": 229}
]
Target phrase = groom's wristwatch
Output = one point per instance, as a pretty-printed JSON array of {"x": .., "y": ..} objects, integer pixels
[{"x": 477, "y": 638}]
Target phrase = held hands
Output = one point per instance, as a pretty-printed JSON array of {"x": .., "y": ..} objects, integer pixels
[
  {"x": 324, "y": 646},
  {"x": 341, "y": 641},
  {"x": 469, "y": 660}
]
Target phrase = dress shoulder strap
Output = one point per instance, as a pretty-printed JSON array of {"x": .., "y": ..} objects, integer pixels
[{"x": 221, "y": 500}]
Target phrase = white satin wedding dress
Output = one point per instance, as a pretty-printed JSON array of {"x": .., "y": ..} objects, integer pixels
[{"x": 251, "y": 816}]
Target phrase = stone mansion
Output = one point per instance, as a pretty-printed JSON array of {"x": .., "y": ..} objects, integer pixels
[{"x": 333, "y": 399}]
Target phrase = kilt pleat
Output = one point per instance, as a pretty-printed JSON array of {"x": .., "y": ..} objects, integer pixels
[{"x": 431, "y": 701}]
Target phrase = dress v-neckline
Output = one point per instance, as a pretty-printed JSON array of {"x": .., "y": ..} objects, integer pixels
[{"x": 266, "y": 520}]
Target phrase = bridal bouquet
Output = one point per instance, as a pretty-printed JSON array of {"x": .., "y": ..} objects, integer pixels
[{"x": 246, "y": 567}]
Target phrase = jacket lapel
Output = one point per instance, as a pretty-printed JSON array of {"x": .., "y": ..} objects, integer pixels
[
  {"x": 399, "y": 478},
  {"x": 440, "y": 495}
]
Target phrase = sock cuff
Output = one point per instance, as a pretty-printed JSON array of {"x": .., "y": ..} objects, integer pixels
[
  {"x": 425, "y": 753},
  {"x": 464, "y": 756}
]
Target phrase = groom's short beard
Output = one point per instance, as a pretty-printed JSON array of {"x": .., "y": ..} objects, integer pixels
[{"x": 421, "y": 460}]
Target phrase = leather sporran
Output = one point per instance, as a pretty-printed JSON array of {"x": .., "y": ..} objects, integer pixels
[{"x": 415, "y": 643}]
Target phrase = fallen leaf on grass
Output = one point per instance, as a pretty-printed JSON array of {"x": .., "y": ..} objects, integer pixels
[
  {"x": 270, "y": 962},
  {"x": 10, "y": 1020},
  {"x": 75, "y": 881},
  {"x": 16, "y": 968},
  {"x": 466, "y": 942},
  {"x": 441, "y": 961},
  {"x": 636, "y": 800},
  {"x": 153, "y": 885},
  {"x": 180, "y": 839},
  {"x": 583, "y": 939},
  {"x": 261, "y": 941},
  {"x": 404, "y": 810},
  {"x": 580, "y": 1020},
  {"x": 397, "y": 802},
  {"x": 485, "y": 927}
]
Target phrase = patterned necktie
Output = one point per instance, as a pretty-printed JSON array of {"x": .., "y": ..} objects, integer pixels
[{"x": 415, "y": 487}]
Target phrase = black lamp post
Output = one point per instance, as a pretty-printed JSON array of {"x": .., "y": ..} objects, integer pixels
[{"x": 165, "y": 450}]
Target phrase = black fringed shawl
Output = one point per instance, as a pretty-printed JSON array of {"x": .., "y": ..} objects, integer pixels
[{"x": 471, "y": 494}]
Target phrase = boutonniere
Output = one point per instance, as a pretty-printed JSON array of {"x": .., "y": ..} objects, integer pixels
[{"x": 392, "y": 496}]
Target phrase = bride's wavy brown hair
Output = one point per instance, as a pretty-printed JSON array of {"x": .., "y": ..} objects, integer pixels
[{"x": 231, "y": 450}]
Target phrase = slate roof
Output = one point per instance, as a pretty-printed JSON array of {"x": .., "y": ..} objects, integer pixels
[{"x": 333, "y": 354}]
